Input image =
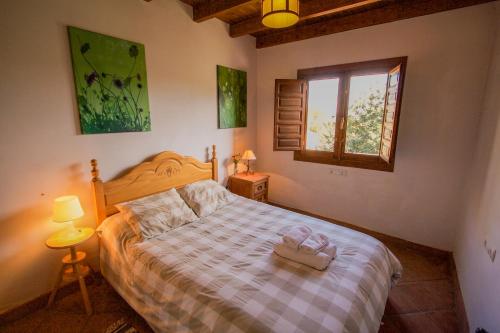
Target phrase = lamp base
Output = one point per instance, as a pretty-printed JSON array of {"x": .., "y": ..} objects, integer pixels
[
  {"x": 249, "y": 172},
  {"x": 71, "y": 232}
]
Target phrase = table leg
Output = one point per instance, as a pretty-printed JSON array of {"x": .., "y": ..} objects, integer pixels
[
  {"x": 81, "y": 281},
  {"x": 58, "y": 284}
]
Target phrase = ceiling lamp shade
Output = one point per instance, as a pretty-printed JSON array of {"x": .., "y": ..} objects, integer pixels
[{"x": 280, "y": 13}]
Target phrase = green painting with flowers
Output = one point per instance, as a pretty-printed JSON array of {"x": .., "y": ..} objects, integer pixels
[
  {"x": 232, "y": 97},
  {"x": 111, "y": 83}
]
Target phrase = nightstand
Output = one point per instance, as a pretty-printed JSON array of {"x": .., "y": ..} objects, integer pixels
[
  {"x": 73, "y": 267},
  {"x": 252, "y": 186}
]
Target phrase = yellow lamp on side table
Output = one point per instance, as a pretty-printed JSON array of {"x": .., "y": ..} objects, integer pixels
[
  {"x": 66, "y": 210},
  {"x": 248, "y": 155}
]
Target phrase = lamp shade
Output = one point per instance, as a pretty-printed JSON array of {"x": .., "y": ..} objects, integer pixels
[
  {"x": 248, "y": 155},
  {"x": 280, "y": 13},
  {"x": 67, "y": 208}
]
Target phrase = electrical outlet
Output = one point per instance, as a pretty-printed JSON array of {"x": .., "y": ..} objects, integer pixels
[
  {"x": 338, "y": 172},
  {"x": 491, "y": 251}
]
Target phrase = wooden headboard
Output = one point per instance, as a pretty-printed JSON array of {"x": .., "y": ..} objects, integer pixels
[{"x": 165, "y": 171}]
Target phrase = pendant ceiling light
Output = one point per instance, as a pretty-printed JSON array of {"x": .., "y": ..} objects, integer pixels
[{"x": 280, "y": 13}]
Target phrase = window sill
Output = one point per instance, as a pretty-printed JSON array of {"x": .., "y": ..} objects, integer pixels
[{"x": 351, "y": 160}]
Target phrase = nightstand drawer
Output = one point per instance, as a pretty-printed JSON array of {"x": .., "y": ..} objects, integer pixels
[
  {"x": 259, "y": 188},
  {"x": 261, "y": 198},
  {"x": 252, "y": 186}
]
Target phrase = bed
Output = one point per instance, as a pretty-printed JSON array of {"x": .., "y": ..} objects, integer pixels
[{"x": 219, "y": 274}]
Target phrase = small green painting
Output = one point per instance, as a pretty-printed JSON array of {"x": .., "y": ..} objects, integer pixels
[
  {"x": 111, "y": 83},
  {"x": 232, "y": 94}
]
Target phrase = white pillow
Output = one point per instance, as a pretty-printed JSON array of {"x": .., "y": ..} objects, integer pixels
[
  {"x": 206, "y": 196},
  {"x": 115, "y": 232},
  {"x": 111, "y": 222},
  {"x": 157, "y": 213}
]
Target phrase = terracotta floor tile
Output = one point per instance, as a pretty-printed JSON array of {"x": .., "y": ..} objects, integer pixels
[
  {"x": 428, "y": 322},
  {"x": 425, "y": 270},
  {"x": 421, "y": 296},
  {"x": 446, "y": 321},
  {"x": 421, "y": 266}
]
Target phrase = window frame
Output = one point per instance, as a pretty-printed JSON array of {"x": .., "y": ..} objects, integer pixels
[{"x": 343, "y": 72}]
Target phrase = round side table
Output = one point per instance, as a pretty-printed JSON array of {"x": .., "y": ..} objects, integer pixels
[{"x": 73, "y": 267}]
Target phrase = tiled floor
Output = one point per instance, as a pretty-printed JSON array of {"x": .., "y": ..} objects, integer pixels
[{"x": 423, "y": 301}]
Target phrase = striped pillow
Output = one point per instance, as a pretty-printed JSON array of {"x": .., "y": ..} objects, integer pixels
[
  {"x": 206, "y": 196},
  {"x": 156, "y": 214}
]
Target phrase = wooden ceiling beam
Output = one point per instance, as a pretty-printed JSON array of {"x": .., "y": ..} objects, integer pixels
[
  {"x": 395, "y": 11},
  {"x": 203, "y": 11},
  {"x": 308, "y": 10}
]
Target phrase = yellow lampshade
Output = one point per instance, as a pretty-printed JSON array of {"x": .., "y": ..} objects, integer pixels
[
  {"x": 67, "y": 208},
  {"x": 280, "y": 13},
  {"x": 248, "y": 155}
]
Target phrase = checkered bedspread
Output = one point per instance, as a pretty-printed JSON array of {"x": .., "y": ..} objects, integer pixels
[{"x": 220, "y": 274}]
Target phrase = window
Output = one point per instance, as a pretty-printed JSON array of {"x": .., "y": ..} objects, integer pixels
[
  {"x": 365, "y": 110},
  {"x": 322, "y": 114},
  {"x": 343, "y": 115}
]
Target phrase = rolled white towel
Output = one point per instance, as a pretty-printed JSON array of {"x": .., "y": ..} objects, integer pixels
[
  {"x": 319, "y": 261},
  {"x": 330, "y": 250},
  {"x": 296, "y": 235},
  {"x": 314, "y": 243}
]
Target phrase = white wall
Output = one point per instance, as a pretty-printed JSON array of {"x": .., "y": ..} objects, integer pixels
[
  {"x": 42, "y": 153},
  {"x": 479, "y": 277},
  {"x": 448, "y": 56}
]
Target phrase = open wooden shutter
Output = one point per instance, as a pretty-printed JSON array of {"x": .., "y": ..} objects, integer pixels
[
  {"x": 290, "y": 101},
  {"x": 392, "y": 110}
]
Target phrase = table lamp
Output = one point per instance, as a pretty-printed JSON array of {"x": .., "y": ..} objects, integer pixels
[
  {"x": 248, "y": 155},
  {"x": 67, "y": 209}
]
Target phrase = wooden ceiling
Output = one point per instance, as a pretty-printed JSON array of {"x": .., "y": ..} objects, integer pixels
[{"x": 317, "y": 17}]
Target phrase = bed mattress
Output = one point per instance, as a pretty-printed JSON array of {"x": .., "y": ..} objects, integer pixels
[{"x": 220, "y": 274}]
